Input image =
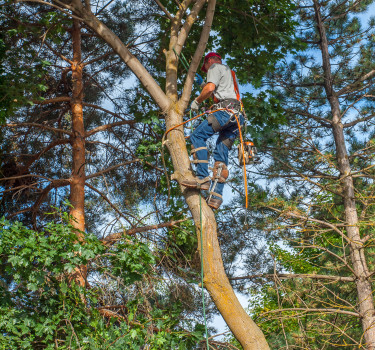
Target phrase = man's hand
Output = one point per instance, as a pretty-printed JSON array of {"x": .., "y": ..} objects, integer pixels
[
  {"x": 195, "y": 106},
  {"x": 198, "y": 80}
]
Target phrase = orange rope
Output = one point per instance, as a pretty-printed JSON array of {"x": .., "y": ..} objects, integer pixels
[
  {"x": 197, "y": 116},
  {"x": 243, "y": 158}
]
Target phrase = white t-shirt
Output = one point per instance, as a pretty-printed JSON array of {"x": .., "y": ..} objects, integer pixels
[{"x": 220, "y": 75}]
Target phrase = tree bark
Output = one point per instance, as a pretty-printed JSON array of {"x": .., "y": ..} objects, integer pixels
[
  {"x": 357, "y": 254},
  {"x": 77, "y": 183},
  {"x": 216, "y": 281}
]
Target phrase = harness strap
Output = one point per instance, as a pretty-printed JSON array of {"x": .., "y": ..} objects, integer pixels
[
  {"x": 195, "y": 161},
  {"x": 228, "y": 141},
  {"x": 236, "y": 89},
  {"x": 196, "y": 150},
  {"x": 215, "y": 194},
  {"x": 202, "y": 181},
  {"x": 193, "y": 153}
]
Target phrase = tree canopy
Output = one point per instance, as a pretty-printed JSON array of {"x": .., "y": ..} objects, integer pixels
[{"x": 100, "y": 244}]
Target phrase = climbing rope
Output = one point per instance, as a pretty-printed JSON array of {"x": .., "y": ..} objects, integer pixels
[
  {"x": 242, "y": 150},
  {"x": 182, "y": 59},
  {"x": 244, "y": 165},
  {"x": 202, "y": 272}
]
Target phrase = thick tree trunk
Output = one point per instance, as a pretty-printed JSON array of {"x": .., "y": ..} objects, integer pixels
[
  {"x": 357, "y": 254},
  {"x": 216, "y": 281},
  {"x": 77, "y": 183}
]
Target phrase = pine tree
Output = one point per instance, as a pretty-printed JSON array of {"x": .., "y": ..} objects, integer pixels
[{"x": 319, "y": 211}]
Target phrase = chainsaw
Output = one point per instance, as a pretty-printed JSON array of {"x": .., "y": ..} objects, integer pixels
[{"x": 247, "y": 153}]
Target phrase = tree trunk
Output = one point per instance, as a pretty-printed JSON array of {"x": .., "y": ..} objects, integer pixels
[
  {"x": 357, "y": 254},
  {"x": 216, "y": 281},
  {"x": 77, "y": 183}
]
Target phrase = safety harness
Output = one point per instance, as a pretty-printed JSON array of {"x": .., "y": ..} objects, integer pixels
[
  {"x": 246, "y": 149},
  {"x": 233, "y": 107}
]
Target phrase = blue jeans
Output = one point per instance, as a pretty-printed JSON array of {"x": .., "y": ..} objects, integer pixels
[{"x": 203, "y": 132}]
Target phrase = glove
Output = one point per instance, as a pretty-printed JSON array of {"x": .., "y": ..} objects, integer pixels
[
  {"x": 198, "y": 80},
  {"x": 195, "y": 106}
]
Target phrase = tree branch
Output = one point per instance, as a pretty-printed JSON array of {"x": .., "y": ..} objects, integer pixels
[
  {"x": 127, "y": 57},
  {"x": 355, "y": 122},
  {"x": 108, "y": 201},
  {"x": 184, "y": 100},
  {"x": 164, "y": 9},
  {"x": 54, "y": 184},
  {"x": 103, "y": 109},
  {"x": 184, "y": 32},
  {"x": 110, "y": 239},
  {"x": 109, "y": 126},
  {"x": 55, "y": 6},
  {"x": 53, "y": 100},
  {"x": 40, "y": 126},
  {"x": 295, "y": 275},
  {"x": 354, "y": 85},
  {"x": 307, "y": 218},
  {"x": 46, "y": 149},
  {"x": 337, "y": 311},
  {"x": 112, "y": 168}
]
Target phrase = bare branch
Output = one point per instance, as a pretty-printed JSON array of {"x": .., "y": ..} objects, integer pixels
[
  {"x": 118, "y": 235},
  {"x": 103, "y": 109},
  {"x": 59, "y": 54},
  {"x": 184, "y": 100},
  {"x": 164, "y": 9},
  {"x": 55, "y": 6},
  {"x": 98, "y": 58},
  {"x": 295, "y": 275},
  {"x": 53, "y": 100},
  {"x": 184, "y": 32},
  {"x": 307, "y": 218},
  {"x": 54, "y": 143},
  {"x": 109, "y": 126},
  {"x": 355, "y": 122},
  {"x": 108, "y": 201},
  {"x": 112, "y": 168},
  {"x": 54, "y": 184},
  {"x": 127, "y": 57},
  {"x": 305, "y": 310},
  {"x": 40, "y": 126}
]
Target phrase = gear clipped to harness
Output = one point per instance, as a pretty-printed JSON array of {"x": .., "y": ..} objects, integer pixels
[{"x": 247, "y": 153}]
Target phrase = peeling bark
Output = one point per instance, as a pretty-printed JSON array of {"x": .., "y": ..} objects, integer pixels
[{"x": 77, "y": 183}]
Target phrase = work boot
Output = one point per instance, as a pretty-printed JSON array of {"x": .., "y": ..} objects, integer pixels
[
  {"x": 205, "y": 186},
  {"x": 214, "y": 203}
]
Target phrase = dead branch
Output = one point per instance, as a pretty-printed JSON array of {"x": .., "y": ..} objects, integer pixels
[
  {"x": 164, "y": 9},
  {"x": 305, "y": 310},
  {"x": 296, "y": 275},
  {"x": 110, "y": 239},
  {"x": 40, "y": 126},
  {"x": 109, "y": 126}
]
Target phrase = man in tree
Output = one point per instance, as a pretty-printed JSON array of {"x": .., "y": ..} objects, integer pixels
[{"x": 222, "y": 85}]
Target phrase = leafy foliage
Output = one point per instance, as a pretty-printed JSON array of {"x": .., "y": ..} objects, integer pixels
[{"x": 42, "y": 308}]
